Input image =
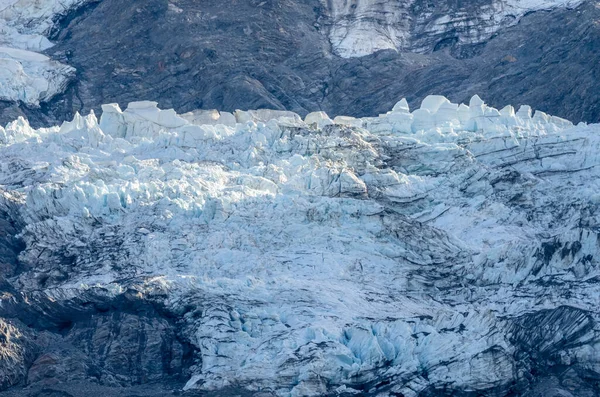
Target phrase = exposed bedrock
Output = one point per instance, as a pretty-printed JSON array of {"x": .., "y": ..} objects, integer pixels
[
  {"x": 96, "y": 337},
  {"x": 281, "y": 55}
]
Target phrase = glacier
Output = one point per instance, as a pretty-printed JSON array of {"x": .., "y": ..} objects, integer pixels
[
  {"x": 362, "y": 27},
  {"x": 451, "y": 249},
  {"x": 25, "y": 74}
]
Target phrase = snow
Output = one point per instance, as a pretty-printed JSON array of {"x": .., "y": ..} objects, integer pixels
[
  {"x": 26, "y": 75},
  {"x": 363, "y": 27},
  {"x": 30, "y": 77},
  {"x": 320, "y": 255}
]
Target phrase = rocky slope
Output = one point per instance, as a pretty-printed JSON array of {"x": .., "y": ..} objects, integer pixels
[
  {"x": 340, "y": 57},
  {"x": 451, "y": 251}
]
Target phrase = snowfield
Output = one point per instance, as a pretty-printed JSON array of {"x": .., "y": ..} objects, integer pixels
[{"x": 392, "y": 255}]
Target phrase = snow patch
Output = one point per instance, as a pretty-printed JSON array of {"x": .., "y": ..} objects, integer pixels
[{"x": 25, "y": 75}]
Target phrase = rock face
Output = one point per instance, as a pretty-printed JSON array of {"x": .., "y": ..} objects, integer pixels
[
  {"x": 448, "y": 251},
  {"x": 351, "y": 57}
]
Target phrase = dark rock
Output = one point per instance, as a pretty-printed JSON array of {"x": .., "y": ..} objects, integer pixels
[
  {"x": 278, "y": 56},
  {"x": 116, "y": 341}
]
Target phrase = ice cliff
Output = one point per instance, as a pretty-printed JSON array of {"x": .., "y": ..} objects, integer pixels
[{"x": 452, "y": 249}]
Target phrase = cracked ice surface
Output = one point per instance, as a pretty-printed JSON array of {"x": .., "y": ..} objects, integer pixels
[{"x": 389, "y": 254}]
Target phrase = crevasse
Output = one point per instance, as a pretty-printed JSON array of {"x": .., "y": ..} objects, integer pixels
[{"x": 388, "y": 254}]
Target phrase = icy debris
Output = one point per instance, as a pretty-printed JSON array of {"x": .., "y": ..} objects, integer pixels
[
  {"x": 436, "y": 119},
  {"x": 349, "y": 121},
  {"x": 209, "y": 117},
  {"x": 318, "y": 119},
  {"x": 149, "y": 111},
  {"x": 524, "y": 112},
  {"x": 265, "y": 115},
  {"x": 432, "y": 103},
  {"x": 401, "y": 106},
  {"x": 437, "y": 114}
]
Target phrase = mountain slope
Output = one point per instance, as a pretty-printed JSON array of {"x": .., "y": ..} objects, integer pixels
[{"x": 285, "y": 55}]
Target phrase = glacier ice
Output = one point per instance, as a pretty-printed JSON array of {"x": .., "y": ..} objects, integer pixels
[
  {"x": 362, "y": 27},
  {"x": 31, "y": 77},
  {"x": 26, "y": 75},
  {"x": 388, "y": 254}
]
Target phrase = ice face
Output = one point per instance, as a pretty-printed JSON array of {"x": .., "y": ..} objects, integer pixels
[{"x": 390, "y": 253}]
